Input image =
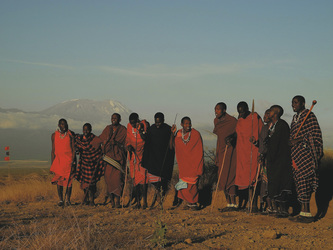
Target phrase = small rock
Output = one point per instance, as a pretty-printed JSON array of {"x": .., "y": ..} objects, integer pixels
[
  {"x": 188, "y": 241},
  {"x": 270, "y": 234}
]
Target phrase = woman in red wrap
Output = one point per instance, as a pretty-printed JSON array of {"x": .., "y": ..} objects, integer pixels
[
  {"x": 62, "y": 158},
  {"x": 189, "y": 153}
]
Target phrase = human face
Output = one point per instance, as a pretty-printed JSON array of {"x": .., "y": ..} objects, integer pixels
[
  {"x": 133, "y": 123},
  {"x": 266, "y": 117},
  {"x": 187, "y": 125},
  {"x": 63, "y": 126},
  {"x": 115, "y": 120},
  {"x": 297, "y": 105},
  {"x": 86, "y": 131},
  {"x": 219, "y": 112},
  {"x": 158, "y": 122},
  {"x": 242, "y": 112},
  {"x": 271, "y": 114}
]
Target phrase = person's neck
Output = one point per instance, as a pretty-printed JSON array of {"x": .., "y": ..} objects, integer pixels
[
  {"x": 274, "y": 120},
  {"x": 300, "y": 111},
  {"x": 222, "y": 116}
]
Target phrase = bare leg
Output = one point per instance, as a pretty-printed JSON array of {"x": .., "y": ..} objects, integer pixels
[
  {"x": 60, "y": 190},
  {"x": 144, "y": 195}
]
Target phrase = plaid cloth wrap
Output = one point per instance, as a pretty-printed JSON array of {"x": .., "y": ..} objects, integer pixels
[
  {"x": 306, "y": 154},
  {"x": 90, "y": 160}
]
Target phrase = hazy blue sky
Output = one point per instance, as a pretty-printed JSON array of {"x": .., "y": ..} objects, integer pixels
[{"x": 172, "y": 56}]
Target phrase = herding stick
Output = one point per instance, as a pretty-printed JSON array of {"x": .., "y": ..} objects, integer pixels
[{"x": 218, "y": 181}]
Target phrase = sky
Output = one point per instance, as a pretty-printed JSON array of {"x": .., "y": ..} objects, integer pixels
[{"x": 171, "y": 56}]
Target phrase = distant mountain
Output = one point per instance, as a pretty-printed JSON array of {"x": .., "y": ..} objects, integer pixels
[
  {"x": 10, "y": 110},
  {"x": 29, "y": 133},
  {"x": 88, "y": 110}
]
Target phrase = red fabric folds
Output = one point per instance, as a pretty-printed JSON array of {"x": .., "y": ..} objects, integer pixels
[{"x": 245, "y": 128}]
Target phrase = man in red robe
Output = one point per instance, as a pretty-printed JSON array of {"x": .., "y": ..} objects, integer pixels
[
  {"x": 135, "y": 141},
  {"x": 62, "y": 159},
  {"x": 247, "y": 129},
  {"x": 189, "y": 153},
  {"x": 113, "y": 140},
  {"x": 225, "y": 125}
]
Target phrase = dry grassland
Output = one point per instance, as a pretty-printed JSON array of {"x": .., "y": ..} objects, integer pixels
[{"x": 30, "y": 219}]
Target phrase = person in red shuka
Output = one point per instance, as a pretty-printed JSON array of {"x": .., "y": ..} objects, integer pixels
[
  {"x": 62, "y": 159},
  {"x": 189, "y": 153}
]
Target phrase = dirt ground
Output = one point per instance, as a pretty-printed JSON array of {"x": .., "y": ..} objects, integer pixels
[{"x": 44, "y": 225}]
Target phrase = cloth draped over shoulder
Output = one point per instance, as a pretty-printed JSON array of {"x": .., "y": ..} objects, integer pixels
[
  {"x": 222, "y": 128},
  {"x": 158, "y": 158},
  {"x": 138, "y": 173},
  {"x": 90, "y": 167},
  {"x": 306, "y": 155},
  {"x": 245, "y": 128},
  {"x": 189, "y": 156},
  {"x": 63, "y": 160},
  {"x": 113, "y": 138},
  {"x": 279, "y": 168}
]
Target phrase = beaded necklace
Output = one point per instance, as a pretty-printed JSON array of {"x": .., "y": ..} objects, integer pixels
[
  {"x": 62, "y": 136},
  {"x": 297, "y": 116},
  {"x": 183, "y": 137}
]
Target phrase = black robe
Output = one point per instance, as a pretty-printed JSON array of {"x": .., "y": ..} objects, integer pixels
[
  {"x": 158, "y": 158},
  {"x": 279, "y": 170}
]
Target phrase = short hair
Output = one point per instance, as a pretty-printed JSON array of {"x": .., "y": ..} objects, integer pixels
[
  {"x": 118, "y": 115},
  {"x": 279, "y": 110},
  {"x": 159, "y": 115},
  {"x": 243, "y": 105},
  {"x": 62, "y": 120},
  {"x": 222, "y": 105},
  {"x": 185, "y": 118},
  {"x": 65, "y": 121},
  {"x": 300, "y": 98},
  {"x": 133, "y": 116},
  {"x": 88, "y": 125}
]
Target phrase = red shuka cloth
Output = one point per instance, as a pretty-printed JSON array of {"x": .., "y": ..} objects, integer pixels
[
  {"x": 245, "y": 128},
  {"x": 113, "y": 139},
  {"x": 190, "y": 155},
  {"x": 189, "y": 194},
  {"x": 222, "y": 128},
  {"x": 138, "y": 173},
  {"x": 62, "y": 163}
]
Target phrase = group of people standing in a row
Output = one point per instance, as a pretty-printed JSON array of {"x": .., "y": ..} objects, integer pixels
[
  {"x": 268, "y": 158},
  {"x": 251, "y": 155}
]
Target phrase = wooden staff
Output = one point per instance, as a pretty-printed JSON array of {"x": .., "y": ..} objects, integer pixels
[
  {"x": 314, "y": 102},
  {"x": 255, "y": 186},
  {"x": 126, "y": 168},
  {"x": 218, "y": 181}
]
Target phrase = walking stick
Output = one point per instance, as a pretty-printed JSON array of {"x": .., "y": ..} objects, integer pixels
[
  {"x": 218, "y": 181},
  {"x": 314, "y": 102},
  {"x": 122, "y": 197},
  {"x": 255, "y": 186}
]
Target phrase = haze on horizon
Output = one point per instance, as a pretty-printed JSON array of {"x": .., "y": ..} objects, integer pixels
[{"x": 171, "y": 56}]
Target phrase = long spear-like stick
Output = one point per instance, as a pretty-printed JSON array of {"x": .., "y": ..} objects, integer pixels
[
  {"x": 314, "y": 102},
  {"x": 124, "y": 190},
  {"x": 255, "y": 187},
  {"x": 218, "y": 181}
]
